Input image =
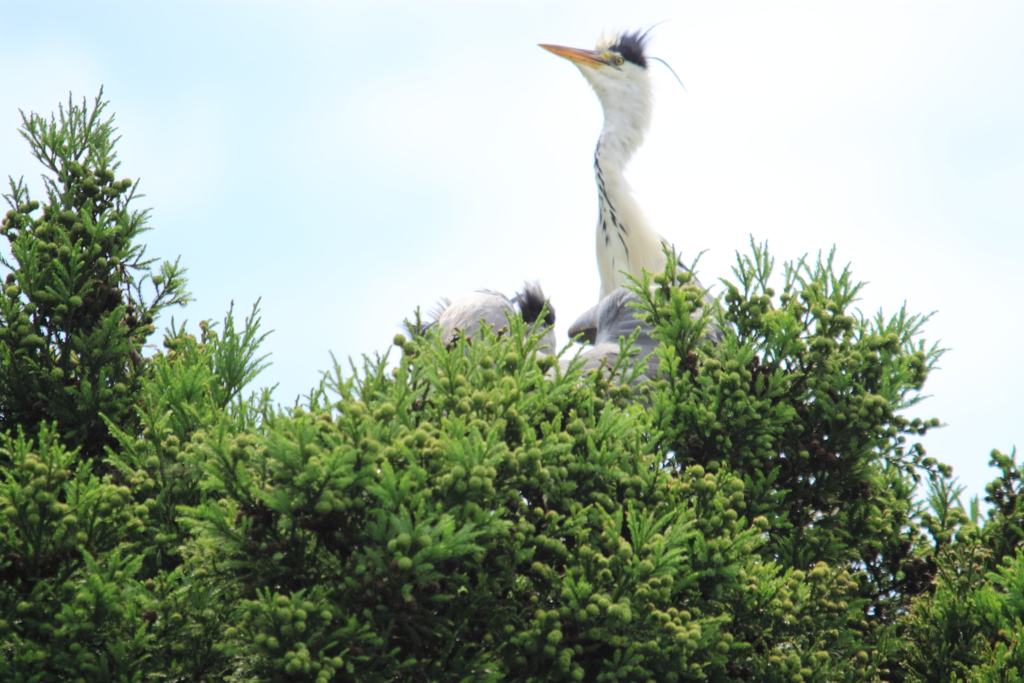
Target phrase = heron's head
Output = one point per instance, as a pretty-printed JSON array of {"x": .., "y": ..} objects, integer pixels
[{"x": 617, "y": 70}]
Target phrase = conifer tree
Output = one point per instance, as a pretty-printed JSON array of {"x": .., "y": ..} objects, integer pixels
[
  {"x": 74, "y": 312},
  {"x": 481, "y": 512}
]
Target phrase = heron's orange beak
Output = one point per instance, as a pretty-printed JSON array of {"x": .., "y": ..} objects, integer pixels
[{"x": 575, "y": 55}]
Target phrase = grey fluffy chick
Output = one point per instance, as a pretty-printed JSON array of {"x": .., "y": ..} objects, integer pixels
[
  {"x": 602, "y": 326},
  {"x": 464, "y": 316},
  {"x": 613, "y": 318}
]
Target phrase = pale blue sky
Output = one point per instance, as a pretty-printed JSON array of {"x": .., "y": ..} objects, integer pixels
[{"x": 348, "y": 162}]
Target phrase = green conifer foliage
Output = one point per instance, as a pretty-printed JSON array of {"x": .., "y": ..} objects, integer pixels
[
  {"x": 71, "y": 604},
  {"x": 87, "y": 591},
  {"x": 971, "y": 628},
  {"x": 475, "y": 514},
  {"x": 193, "y": 383},
  {"x": 805, "y": 399},
  {"x": 479, "y": 513},
  {"x": 73, "y": 314}
]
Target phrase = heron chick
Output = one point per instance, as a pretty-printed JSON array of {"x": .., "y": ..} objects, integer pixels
[
  {"x": 465, "y": 316},
  {"x": 617, "y": 70},
  {"x": 616, "y": 318}
]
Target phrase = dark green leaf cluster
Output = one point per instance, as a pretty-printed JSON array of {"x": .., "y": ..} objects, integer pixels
[
  {"x": 803, "y": 399},
  {"x": 73, "y": 315},
  {"x": 92, "y": 575},
  {"x": 972, "y": 627},
  {"x": 193, "y": 384},
  {"x": 69, "y": 598}
]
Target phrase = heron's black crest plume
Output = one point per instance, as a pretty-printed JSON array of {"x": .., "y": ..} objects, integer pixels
[
  {"x": 531, "y": 302},
  {"x": 631, "y": 46}
]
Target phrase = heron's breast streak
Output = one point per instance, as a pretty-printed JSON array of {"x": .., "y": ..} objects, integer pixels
[{"x": 613, "y": 255}]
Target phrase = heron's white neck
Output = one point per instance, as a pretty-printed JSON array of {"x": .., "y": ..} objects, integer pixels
[{"x": 625, "y": 240}]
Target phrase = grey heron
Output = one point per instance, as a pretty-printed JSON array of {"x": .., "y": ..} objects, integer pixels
[
  {"x": 614, "y": 318},
  {"x": 626, "y": 242},
  {"x": 465, "y": 316}
]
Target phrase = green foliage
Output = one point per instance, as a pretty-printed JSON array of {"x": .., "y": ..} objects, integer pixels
[
  {"x": 971, "y": 629},
  {"x": 195, "y": 383},
  {"x": 479, "y": 513},
  {"x": 469, "y": 516},
  {"x": 91, "y": 430},
  {"x": 804, "y": 399},
  {"x": 71, "y": 603},
  {"x": 73, "y": 313},
  {"x": 91, "y": 568}
]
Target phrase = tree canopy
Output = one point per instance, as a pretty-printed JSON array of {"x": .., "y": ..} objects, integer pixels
[{"x": 760, "y": 511}]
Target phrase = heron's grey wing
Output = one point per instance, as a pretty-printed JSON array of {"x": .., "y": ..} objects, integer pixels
[
  {"x": 610, "y": 320},
  {"x": 601, "y": 354},
  {"x": 464, "y": 316},
  {"x": 617, "y": 318},
  {"x": 585, "y": 325},
  {"x": 606, "y": 354}
]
